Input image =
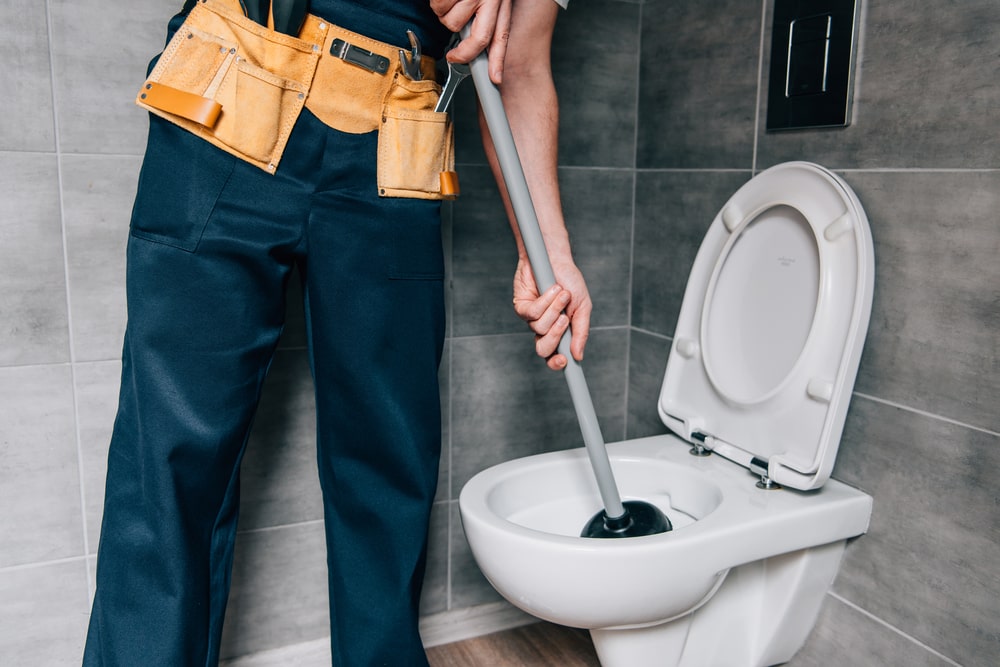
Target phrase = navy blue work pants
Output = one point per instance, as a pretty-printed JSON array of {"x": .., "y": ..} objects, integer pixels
[{"x": 213, "y": 243}]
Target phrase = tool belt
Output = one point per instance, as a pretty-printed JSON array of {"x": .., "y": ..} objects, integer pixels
[{"x": 241, "y": 87}]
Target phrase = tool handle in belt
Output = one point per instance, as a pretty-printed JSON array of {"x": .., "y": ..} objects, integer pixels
[{"x": 286, "y": 16}]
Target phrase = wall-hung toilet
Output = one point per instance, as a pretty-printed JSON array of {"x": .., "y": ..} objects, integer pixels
[{"x": 756, "y": 390}]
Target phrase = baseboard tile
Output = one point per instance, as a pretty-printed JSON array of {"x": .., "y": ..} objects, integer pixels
[
  {"x": 443, "y": 628},
  {"x": 454, "y": 626}
]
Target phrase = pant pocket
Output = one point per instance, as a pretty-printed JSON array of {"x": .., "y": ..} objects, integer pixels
[
  {"x": 232, "y": 82},
  {"x": 416, "y": 145},
  {"x": 179, "y": 184}
]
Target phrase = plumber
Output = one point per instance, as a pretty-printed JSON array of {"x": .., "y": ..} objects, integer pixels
[{"x": 294, "y": 135}]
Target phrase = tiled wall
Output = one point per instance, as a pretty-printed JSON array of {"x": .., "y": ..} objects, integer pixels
[
  {"x": 922, "y": 153},
  {"x": 661, "y": 121}
]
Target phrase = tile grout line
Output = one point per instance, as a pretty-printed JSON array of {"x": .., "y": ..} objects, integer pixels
[
  {"x": 632, "y": 220},
  {"x": 282, "y": 526},
  {"x": 760, "y": 85},
  {"x": 638, "y": 90},
  {"x": 20, "y": 567},
  {"x": 449, "y": 479},
  {"x": 893, "y": 628},
  {"x": 929, "y": 415},
  {"x": 69, "y": 299},
  {"x": 571, "y": 167}
]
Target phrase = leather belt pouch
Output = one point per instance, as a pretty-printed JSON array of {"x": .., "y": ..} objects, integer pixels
[
  {"x": 232, "y": 82},
  {"x": 241, "y": 87},
  {"x": 416, "y": 145}
]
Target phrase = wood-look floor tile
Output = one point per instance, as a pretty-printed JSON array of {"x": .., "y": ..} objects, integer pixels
[{"x": 536, "y": 645}]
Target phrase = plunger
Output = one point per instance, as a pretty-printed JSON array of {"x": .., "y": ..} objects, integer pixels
[{"x": 632, "y": 518}]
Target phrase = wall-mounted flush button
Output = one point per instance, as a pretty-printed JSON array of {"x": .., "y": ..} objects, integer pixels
[
  {"x": 812, "y": 63},
  {"x": 808, "y": 56}
]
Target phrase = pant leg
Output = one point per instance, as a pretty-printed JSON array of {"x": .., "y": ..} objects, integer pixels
[
  {"x": 207, "y": 261},
  {"x": 374, "y": 290}
]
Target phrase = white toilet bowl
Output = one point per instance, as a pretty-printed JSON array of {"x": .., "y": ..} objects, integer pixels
[{"x": 760, "y": 373}]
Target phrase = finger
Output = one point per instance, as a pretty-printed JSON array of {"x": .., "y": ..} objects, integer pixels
[
  {"x": 546, "y": 344},
  {"x": 479, "y": 37},
  {"x": 581, "y": 331},
  {"x": 498, "y": 45},
  {"x": 531, "y": 310},
  {"x": 455, "y": 14},
  {"x": 467, "y": 50},
  {"x": 556, "y": 362},
  {"x": 544, "y": 323},
  {"x": 442, "y": 7}
]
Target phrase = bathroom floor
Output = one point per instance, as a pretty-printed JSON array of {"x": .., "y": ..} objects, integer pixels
[{"x": 535, "y": 645}]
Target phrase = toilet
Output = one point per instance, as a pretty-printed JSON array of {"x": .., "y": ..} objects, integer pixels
[{"x": 756, "y": 390}]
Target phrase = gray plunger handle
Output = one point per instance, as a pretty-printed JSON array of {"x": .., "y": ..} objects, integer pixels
[{"x": 531, "y": 235}]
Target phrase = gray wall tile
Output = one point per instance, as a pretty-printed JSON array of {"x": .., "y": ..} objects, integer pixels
[
  {"x": 484, "y": 258},
  {"x": 598, "y": 209},
  {"x": 468, "y": 585},
  {"x": 279, "y": 593},
  {"x": 597, "y": 204},
  {"x": 444, "y": 468},
  {"x": 845, "y": 636},
  {"x": 928, "y": 562},
  {"x": 435, "y": 594},
  {"x": 279, "y": 478},
  {"x": 673, "y": 212},
  {"x": 507, "y": 404},
  {"x": 99, "y": 65},
  {"x": 647, "y": 362},
  {"x": 468, "y": 138},
  {"x": 698, "y": 84},
  {"x": 39, "y": 474},
  {"x": 43, "y": 618},
  {"x": 33, "y": 321},
  {"x": 594, "y": 61},
  {"x": 97, "y": 198},
  {"x": 933, "y": 340},
  {"x": 926, "y": 93},
  {"x": 26, "y": 78},
  {"x": 96, "y": 405},
  {"x": 293, "y": 336}
]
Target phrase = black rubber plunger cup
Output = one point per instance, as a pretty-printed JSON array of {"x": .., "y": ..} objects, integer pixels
[{"x": 634, "y": 518}]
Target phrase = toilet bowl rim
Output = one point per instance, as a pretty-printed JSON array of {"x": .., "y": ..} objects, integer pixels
[{"x": 736, "y": 507}]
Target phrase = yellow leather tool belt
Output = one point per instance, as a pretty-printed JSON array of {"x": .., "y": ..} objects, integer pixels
[{"x": 241, "y": 86}]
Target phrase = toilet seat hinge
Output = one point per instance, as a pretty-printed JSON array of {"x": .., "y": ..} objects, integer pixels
[
  {"x": 698, "y": 444},
  {"x": 759, "y": 466}
]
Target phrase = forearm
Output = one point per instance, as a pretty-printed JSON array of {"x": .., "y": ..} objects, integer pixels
[{"x": 531, "y": 104}]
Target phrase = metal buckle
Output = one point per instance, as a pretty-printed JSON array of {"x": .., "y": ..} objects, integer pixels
[{"x": 358, "y": 56}]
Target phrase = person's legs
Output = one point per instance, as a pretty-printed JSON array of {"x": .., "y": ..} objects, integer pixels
[
  {"x": 374, "y": 293},
  {"x": 206, "y": 278}
]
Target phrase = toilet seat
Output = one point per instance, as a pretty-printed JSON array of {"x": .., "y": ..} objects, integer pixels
[{"x": 771, "y": 328}]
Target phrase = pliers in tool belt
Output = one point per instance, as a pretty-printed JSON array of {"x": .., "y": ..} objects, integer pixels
[{"x": 411, "y": 65}]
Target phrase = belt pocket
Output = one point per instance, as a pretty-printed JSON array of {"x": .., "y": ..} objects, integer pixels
[
  {"x": 233, "y": 83},
  {"x": 416, "y": 145},
  {"x": 262, "y": 108}
]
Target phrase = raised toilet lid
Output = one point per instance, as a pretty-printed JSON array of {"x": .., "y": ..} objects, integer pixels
[{"x": 774, "y": 318}]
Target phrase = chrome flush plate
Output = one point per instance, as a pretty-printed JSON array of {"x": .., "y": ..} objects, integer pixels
[{"x": 813, "y": 47}]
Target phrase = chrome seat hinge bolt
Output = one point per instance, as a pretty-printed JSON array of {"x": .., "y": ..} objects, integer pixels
[{"x": 698, "y": 447}]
